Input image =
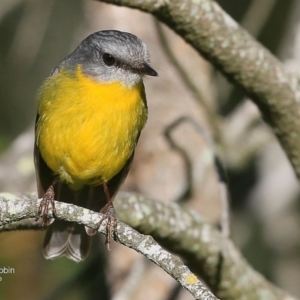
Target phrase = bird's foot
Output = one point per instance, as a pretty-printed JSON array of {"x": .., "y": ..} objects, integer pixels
[
  {"x": 44, "y": 208},
  {"x": 111, "y": 226}
]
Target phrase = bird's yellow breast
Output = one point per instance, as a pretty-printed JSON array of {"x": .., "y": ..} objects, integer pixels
[{"x": 87, "y": 130}]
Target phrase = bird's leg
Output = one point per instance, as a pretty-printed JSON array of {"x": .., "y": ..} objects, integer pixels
[
  {"x": 47, "y": 201},
  {"x": 110, "y": 216}
]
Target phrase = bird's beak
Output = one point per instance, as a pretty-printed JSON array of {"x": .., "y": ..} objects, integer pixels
[{"x": 145, "y": 69}]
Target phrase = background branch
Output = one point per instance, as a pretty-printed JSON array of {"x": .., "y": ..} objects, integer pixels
[{"x": 215, "y": 35}]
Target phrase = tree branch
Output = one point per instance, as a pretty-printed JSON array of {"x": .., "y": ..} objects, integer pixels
[
  {"x": 215, "y": 35},
  {"x": 181, "y": 231},
  {"x": 202, "y": 246},
  {"x": 12, "y": 210}
]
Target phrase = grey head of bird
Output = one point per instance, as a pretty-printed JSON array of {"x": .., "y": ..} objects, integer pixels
[{"x": 111, "y": 56}]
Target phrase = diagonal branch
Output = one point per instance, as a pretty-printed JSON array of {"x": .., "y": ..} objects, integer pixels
[
  {"x": 12, "y": 210},
  {"x": 215, "y": 35},
  {"x": 202, "y": 246}
]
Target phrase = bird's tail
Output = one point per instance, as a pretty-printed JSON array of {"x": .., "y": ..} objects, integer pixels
[{"x": 66, "y": 239}]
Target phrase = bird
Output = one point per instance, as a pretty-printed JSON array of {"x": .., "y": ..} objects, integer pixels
[{"x": 91, "y": 110}]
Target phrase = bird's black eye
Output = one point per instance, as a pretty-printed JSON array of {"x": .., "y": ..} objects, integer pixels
[{"x": 108, "y": 59}]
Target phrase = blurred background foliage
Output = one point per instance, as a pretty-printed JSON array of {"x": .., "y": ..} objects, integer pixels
[{"x": 36, "y": 34}]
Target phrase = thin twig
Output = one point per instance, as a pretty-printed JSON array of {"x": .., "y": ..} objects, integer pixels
[{"x": 212, "y": 117}]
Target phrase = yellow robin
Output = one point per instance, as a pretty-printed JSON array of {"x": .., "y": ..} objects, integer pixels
[{"x": 91, "y": 110}]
